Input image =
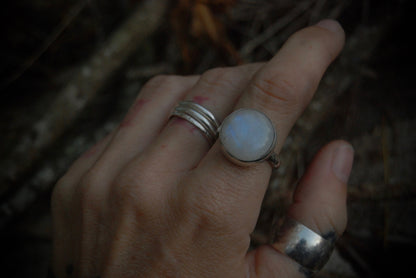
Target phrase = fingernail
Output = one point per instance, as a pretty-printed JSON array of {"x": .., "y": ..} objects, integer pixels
[
  {"x": 330, "y": 24},
  {"x": 343, "y": 158}
]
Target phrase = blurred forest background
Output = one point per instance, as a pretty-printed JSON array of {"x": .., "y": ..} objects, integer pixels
[{"x": 70, "y": 70}]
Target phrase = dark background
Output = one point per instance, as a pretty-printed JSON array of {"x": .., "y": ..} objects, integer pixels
[{"x": 367, "y": 97}]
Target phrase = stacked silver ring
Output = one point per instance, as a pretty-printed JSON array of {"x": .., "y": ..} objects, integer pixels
[{"x": 199, "y": 117}]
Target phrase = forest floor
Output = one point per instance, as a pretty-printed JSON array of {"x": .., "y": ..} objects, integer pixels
[{"x": 102, "y": 52}]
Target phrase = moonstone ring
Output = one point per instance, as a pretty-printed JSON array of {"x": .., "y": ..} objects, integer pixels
[{"x": 248, "y": 136}]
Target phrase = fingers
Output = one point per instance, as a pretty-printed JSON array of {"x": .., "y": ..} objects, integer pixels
[
  {"x": 319, "y": 203},
  {"x": 162, "y": 92},
  {"x": 144, "y": 120},
  {"x": 217, "y": 90},
  {"x": 180, "y": 145},
  {"x": 61, "y": 205},
  {"x": 281, "y": 89}
]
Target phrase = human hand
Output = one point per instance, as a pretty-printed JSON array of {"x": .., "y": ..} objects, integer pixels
[{"x": 154, "y": 199}]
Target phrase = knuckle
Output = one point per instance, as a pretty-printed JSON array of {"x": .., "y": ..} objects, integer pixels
[
  {"x": 213, "y": 215},
  {"x": 130, "y": 190},
  {"x": 271, "y": 91},
  {"x": 161, "y": 81},
  {"x": 89, "y": 180},
  {"x": 164, "y": 85},
  {"x": 220, "y": 78},
  {"x": 327, "y": 219},
  {"x": 89, "y": 191},
  {"x": 126, "y": 190},
  {"x": 157, "y": 80},
  {"x": 324, "y": 216},
  {"x": 336, "y": 219}
]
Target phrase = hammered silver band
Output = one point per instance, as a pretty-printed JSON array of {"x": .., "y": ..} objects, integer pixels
[
  {"x": 309, "y": 249},
  {"x": 200, "y": 117}
]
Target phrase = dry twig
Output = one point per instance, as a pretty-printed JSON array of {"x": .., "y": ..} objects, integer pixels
[
  {"x": 81, "y": 90},
  {"x": 275, "y": 28}
]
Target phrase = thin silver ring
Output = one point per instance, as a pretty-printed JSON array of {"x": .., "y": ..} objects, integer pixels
[
  {"x": 200, "y": 117},
  {"x": 309, "y": 249}
]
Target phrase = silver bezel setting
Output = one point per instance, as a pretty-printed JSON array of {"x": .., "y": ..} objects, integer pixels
[{"x": 269, "y": 155}]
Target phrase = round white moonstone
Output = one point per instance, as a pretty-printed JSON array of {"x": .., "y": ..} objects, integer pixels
[{"x": 247, "y": 135}]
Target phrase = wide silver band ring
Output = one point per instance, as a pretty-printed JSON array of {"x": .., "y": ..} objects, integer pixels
[
  {"x": 200, "y": 117},
  {"x": 309, "y": 249}
]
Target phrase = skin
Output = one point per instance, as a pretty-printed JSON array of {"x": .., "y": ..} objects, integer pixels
[{"x": 154, "y": 199}]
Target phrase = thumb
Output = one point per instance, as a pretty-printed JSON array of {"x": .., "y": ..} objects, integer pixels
[
  {"x": 319, "y": 203},
  {"x": 320, "y": 199}
]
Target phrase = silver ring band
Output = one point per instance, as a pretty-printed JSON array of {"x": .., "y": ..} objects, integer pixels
[
  {"x": 200, "y": 117},
  {"x": 303, "y": 245}
]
